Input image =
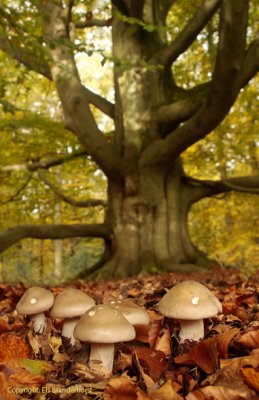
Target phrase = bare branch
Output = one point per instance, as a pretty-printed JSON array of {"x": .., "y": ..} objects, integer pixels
[
  {"x": 251, "y": 63},
  {"x": 21, "y": 188},
  {"x": 30, "y": 61},
  {"x": 203, "y": 14},
  {"x": 70, "y": 200},
  {"x": 89, "y": 23},
  {"x": 74, "y": 101},
  {"x": 208, "y": 188},
  {"x": 45, "y": 164},
  {"x": 59, "y": 231},
  {"x": 224, "y": 88},
  {"x": 178, "y": 112}
]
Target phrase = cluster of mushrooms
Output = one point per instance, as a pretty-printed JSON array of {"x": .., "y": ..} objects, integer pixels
[{"x": 104, "y": 325}]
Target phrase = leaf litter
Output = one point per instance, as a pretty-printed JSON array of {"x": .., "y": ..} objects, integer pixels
[{"x": 155, "y": 366}]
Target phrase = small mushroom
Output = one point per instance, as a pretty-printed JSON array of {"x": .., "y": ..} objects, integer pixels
[
  {"x": 102, "y": 326},
  {"x": 135, "y": 314},
  {"x": 70, "y": 305},
  {"x": 34, "y": 302},
  {"x": 190, "y": 302}
]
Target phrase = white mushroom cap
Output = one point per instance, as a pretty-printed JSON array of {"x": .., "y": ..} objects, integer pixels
[
  {"x": 135, "y": 314},
  {"x": 34, "y": 301},
  {"x": 103, "y": 324},
  {"x": 71, "y": 303},
  {"x": 189, "y": 300}
]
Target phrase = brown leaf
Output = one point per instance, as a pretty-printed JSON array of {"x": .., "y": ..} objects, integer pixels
[
  {"x": 123, "y": 361},
  {"x": 152, "y": 360},
  {"x": 149, "y": 333},
  {"x": 221, "y": 393},
  {"x": 93, "y": 374},
  {"x": 251, "y": 378},
  {"x": 5, "y": 392},
  {"x": 223, "y": 341},
  {"x": 12, "y": 346},
  {"x": 163, "y": 343},
  {"x": 120, "y": 388},
  {"x": 250, "y": 340},
  {"x": 166, "y": 392},
  {"x": 239, "y": 362},
  {"x": 204, "y": 354}
]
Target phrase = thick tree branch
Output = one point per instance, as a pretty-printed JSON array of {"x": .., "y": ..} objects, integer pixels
[
  {"x": 203, "y": 14},
  {"x": 70, "y": 200},
  {"x": 74, "y": 101},
  {"x": 59, "y": 231},
  {"x": 178, "y": 112},
  {"x": 89, "y": 23},
  {"x": 251, "y": 63},
  {"x": 121, "y": 6},
  {"x": 224, "y": 88},
  {"x": 30, "y": 61},
  {"x": 208, "y": 188},
  {"x": 45, "y": 164}
]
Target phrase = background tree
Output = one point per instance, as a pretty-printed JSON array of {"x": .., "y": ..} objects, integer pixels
[{"x": 157, "y": 116}]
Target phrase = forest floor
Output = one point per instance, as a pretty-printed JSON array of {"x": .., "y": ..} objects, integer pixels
[{"x": 155, "y": 366}]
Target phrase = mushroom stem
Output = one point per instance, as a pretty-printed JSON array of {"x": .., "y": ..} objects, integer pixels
[
  {"x": 68, "y": 329},
  {"x": 103, "y": 353},
  {"x": 39, "y": 322},
  {"x": 191, "y": 329}
]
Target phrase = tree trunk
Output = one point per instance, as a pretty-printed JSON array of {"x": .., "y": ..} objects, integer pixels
[
  {"x": 149, "y": 214},
  {"x": 150, "y": 231}
]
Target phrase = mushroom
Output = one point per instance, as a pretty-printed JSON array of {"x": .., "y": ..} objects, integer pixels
[
  {"x": 103, "y": 326},
  {"x": 70, "y": 305},
  {"x": 34, "y": 302},
  {"x": 135, "y": 314},
  {"x": 190, "y": 302}
]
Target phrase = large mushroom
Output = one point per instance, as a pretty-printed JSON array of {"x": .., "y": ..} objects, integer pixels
[
  {"x": 71, "y": 304},
  {"x": 103, "y": 326},
  {"x": 34, "y": 302},
  {"x": 135, "y": 314},
  {"x": 190, "y": 302}
]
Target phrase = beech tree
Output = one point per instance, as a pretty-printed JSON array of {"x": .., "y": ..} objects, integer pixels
[{"x": 155, "y": 118}]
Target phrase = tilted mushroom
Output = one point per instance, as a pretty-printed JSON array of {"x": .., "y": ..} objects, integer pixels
[
  {"x": 34, "y": 302},
  {"x": 190, "y": 302},
  {"x": 103, "y": 326},
  {"x": 70, "y": 305},
  {"x": 135, "y": 314}
]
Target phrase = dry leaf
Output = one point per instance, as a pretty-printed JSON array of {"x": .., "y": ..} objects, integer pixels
[
  {"x": 163, "y": 343},
  {"x": 239, "y": 362},
  {"x": 250, "y": 340},
  {"x": 120, "y": 388},
  {"x": 204, "y": 354},
  {"x": 165, "y": 392},
  {"x": 12, "y": 346},
  {"x": 251, "y": 378},
  {"x": 153, "y": 361},
  {"x": 224, "y": 393},
  {"x": 223, "y": 341}
]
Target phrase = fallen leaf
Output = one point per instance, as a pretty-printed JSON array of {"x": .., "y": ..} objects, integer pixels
[
  {"x": 250, "y": 340},
  {"x": 223, "y": 341},
  {"x": 204, "y": 355},
  {"x": 251, "y": 378},
  {"x": 163, "y": 343},
  {"x": 12, "y": 346},
  {"x": 149, "y": 333},
  {"x": 120, "y": 388},
  {"x": 166, "y": 392},
  {"x": 223, "y": 393},
  {"x": 239, "y": 362},
  {"x": 153, "y": 361}
]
